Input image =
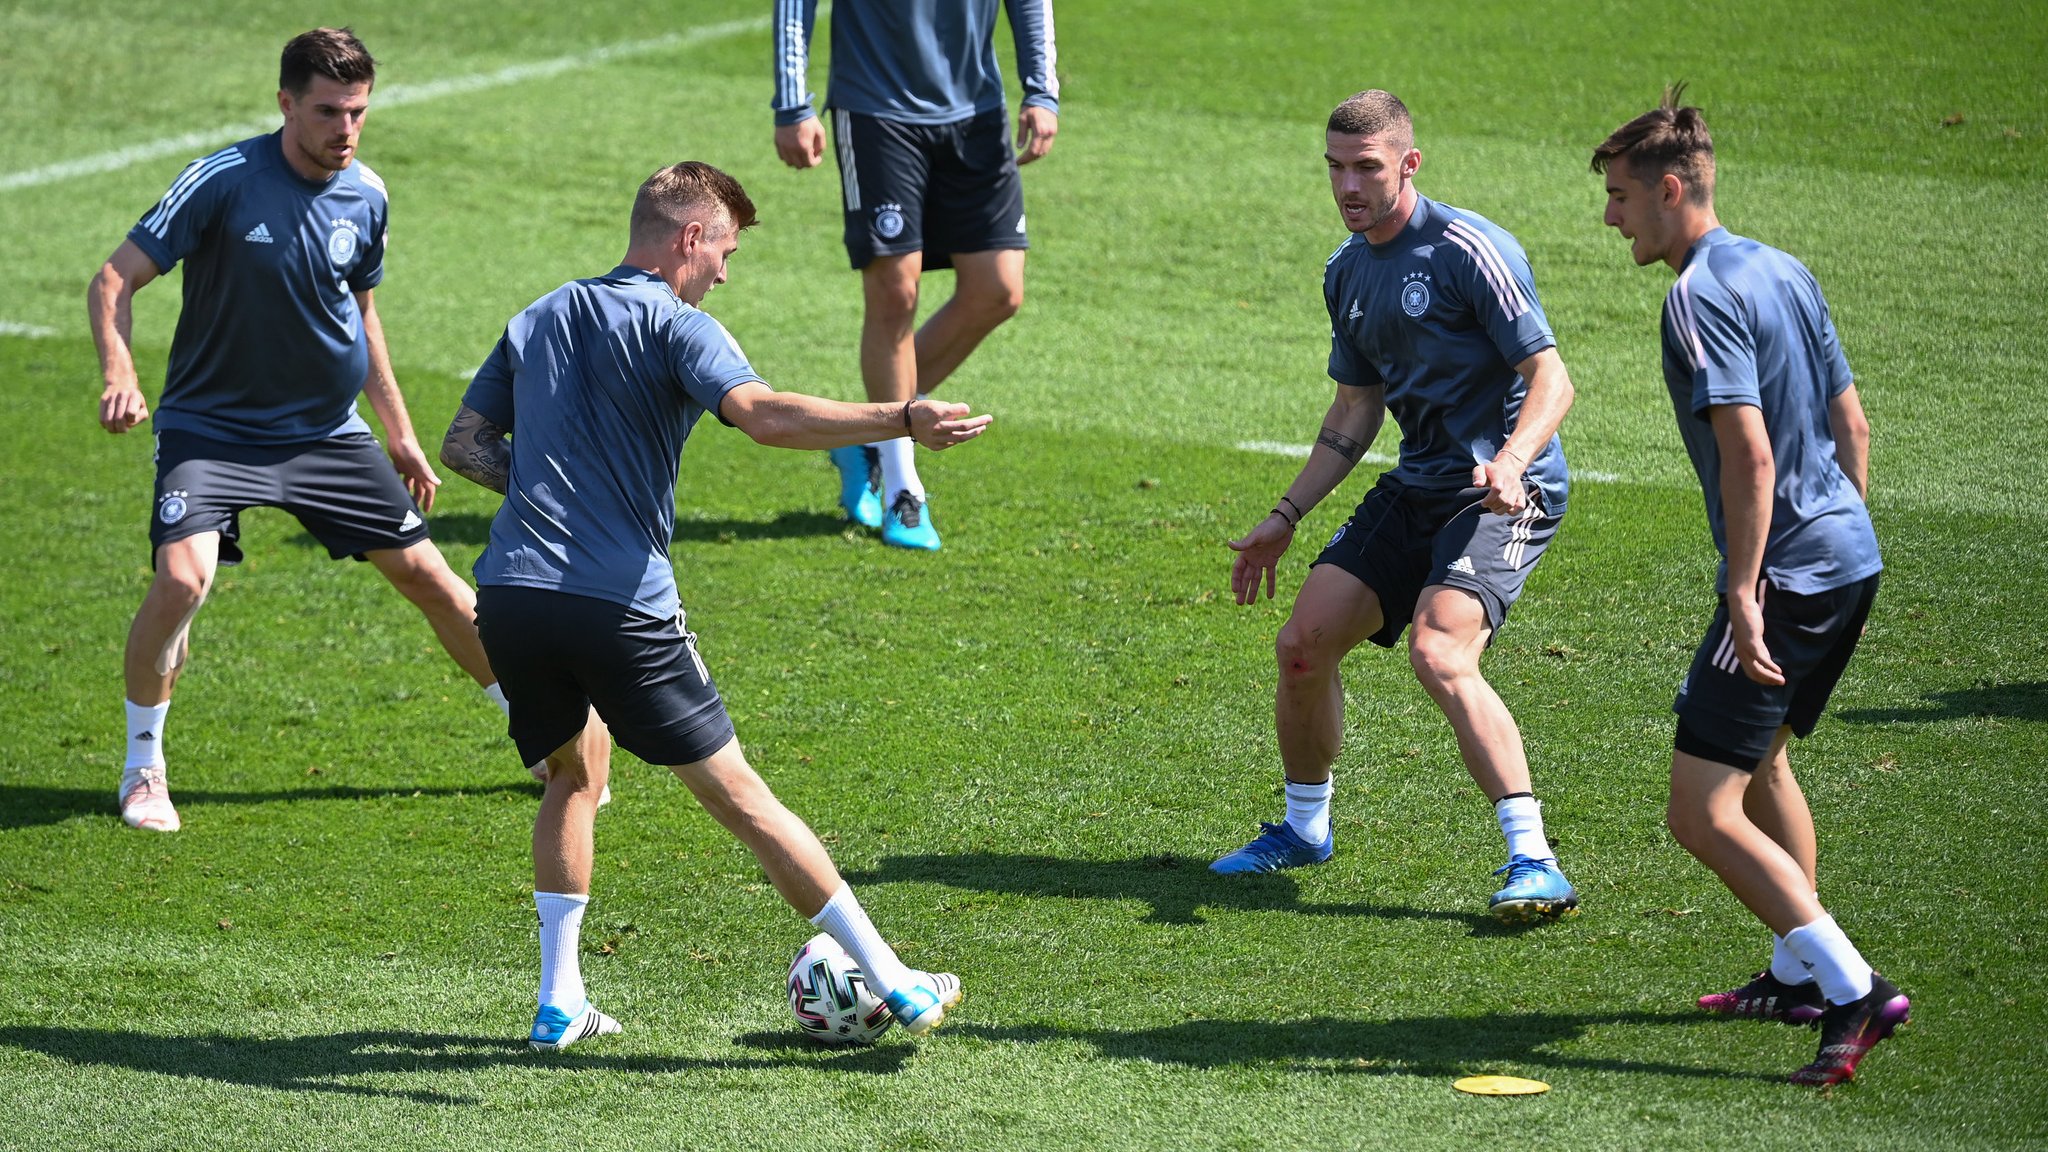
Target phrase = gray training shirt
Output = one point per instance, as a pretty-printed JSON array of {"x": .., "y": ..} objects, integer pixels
[
  {"x": 914, "y": 61},
  {"x": 269, "y": 347},
  {"x": 1746, "y": 324},
  {"x": 599, "y": 382},
  {"x": 1440, "y": 315}
]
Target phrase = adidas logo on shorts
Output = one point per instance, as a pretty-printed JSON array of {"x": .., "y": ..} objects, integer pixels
[{"x": 1462, "y": 564}]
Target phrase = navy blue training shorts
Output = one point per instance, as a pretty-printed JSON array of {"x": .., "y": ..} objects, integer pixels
[
  {"x": 343, "y": 489},
  {"x": 1403, "y": 539},
  {"x": 1810, "y": 639},
  {"x": 939, "y": 189},
  {"x": 557, "y": 655}
]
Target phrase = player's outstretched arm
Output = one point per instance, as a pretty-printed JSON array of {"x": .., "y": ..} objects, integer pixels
[
  {"x": 475, "y": 449},
  {"x": 381, "y": 390},
  {"x": 794, "y": 420},
  {"x": 1348, "y": 428},
  {"x": 1748, "y": 475},
  {"x": 109, "y": 309},
  {"x": 1851, "y": 430}
]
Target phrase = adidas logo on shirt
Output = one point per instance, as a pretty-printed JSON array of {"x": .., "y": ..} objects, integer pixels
[
  {"x": 1355, "y": 313},
  {"x": 259, "y": 235}
]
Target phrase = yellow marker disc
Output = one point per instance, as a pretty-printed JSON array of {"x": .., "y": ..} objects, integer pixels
[{"x": 1500, "y": 1086}]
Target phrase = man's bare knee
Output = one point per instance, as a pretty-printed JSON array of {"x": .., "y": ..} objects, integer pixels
[{"x": 1301, "y": 658}]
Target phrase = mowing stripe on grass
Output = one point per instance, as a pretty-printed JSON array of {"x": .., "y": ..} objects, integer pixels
[{"x": 397, "y": 95}]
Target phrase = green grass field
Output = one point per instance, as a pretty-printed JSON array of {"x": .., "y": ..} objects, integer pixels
[{"x": 1024, "y": 750}]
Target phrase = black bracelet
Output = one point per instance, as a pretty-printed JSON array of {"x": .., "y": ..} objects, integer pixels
[
  {"x": 907, "y": 429},
  {"x": 1298, "y": 512},
  {"x": 1283, "y": 516}
]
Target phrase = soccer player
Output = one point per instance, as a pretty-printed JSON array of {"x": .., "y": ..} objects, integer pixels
[
  {"x": 598, "y": 384},
  {"x": 1434, "y": 317},
  {"x": 928, "y": 180},
  {"x": 283, "y": 242},
  {"x": 1769, "y": 415}
]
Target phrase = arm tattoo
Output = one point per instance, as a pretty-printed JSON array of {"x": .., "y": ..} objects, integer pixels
[
  {"x": 475, "y": 449},
  {"x": 1335, "y": 441}
]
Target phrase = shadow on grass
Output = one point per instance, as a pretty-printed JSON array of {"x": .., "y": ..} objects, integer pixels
[
  {"x": 27, "y": 805},
  {"x": 2027, "y": 701},
  {"x": 333, "y": 1063},
  {"x": 1176, "y": 887},
  {"x": 473, "y": 529},
  {"x": 1432, "y": 1046}
]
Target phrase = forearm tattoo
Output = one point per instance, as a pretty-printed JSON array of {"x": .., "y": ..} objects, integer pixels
[
  {"x": 475, "y": 449},
  {"x": 1341, "y": 444}
]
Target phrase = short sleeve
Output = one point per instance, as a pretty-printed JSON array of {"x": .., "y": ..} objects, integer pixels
[
  {"x": 1346, "y": 366},
  {"x": 706, "y": 360},
  {"x": 490, "y": 391},
  {"x": 1836, "y": 364},
  {"x": 1713, "y": 343},
  {"x": 369, "y": 272},
  {"x": 180, "y": 221},
  {"x": 1492, "y": 275}
]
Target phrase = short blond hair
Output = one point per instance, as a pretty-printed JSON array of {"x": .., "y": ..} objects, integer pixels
[{"x": 680, "y": 193}]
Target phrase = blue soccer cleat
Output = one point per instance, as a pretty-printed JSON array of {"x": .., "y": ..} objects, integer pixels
[
  {"x": 554, "y": 1029},
  {"x": 1275, "y": 848},
  {"x": 860, "y": 484},
  {"x": 920, "y": 1007},
  {"x": 1536, "y": 890},
  {"x": 908, "y": 524}
]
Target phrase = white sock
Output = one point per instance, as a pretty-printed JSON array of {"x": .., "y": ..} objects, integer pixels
[
  {"x": 145, "y": 734},
  {"x": 1521, "y": 821},
  {"x": 1785, "y": 966},
  {"x": 497, "y": 695},
  {"x": 1823, "y": 949},
  {"x": 843, "y": 917},
  {"x": 899, "y": 471},
  {"x": 1308, "y": 810},
  {"x": 561, "y": 925}
]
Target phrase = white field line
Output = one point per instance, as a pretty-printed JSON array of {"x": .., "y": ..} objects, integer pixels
[
  {"x": 395, "y": 96},
  {"x": 1300, "y": 452},
  {"x": 32, "y": 331}
]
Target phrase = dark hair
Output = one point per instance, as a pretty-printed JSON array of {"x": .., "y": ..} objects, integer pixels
[
  {"x": 1667, "y": 140},
  {"x": 331, "y": 52},
  {"x": 1372, "y": 112},
  {"x": 675, "y": 195}
]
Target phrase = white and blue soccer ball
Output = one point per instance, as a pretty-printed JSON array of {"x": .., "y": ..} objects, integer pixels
[{"x": 830, "y": 997}]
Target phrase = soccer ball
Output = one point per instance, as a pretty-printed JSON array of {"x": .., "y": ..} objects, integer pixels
[{"x": 830, "y": 997}]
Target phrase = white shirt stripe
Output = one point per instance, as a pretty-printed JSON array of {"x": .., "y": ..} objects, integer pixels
[
  {"x": 1482, "y": 250},
  {"x": 372, "y": 179},
  {"x": 1052, "y": 53},
  {"x": 196, "y": 170},
  {"x": 1681, "y": 316},
  {"x": 175, "y": 200}
]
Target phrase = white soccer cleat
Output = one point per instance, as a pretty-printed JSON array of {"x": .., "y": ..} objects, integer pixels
[
  {"x": 146, "y": 800},
  {"x": 554, "y": 1029},
  {"x": 921, "y": 1006}
]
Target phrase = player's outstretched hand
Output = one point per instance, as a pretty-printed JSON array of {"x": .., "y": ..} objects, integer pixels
[
  {"x": 122, "y": 407},
  {"x": 802, "y": 144},
  {"x": 1501, "y": 477},
  {"x": 938, "y": 425},
  {"x": 1035, "y": 129},
  {"x": 1259, "y": 553},
  {"x": 420, "y": 480},
  {"x": 1747, "y": 618}
]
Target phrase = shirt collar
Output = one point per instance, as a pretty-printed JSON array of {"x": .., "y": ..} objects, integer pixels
[{"x": 1713, "y": 236}]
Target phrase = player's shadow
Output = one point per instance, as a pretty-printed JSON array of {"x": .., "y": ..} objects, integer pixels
[
  {"x": 29, "y": 805},
  {"x": 338, "y": 1063},
  {"x": 1175, "y": 889},
  {"x": 1429, "y": 1046},
  {"x": 2025, "y": 701}
]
